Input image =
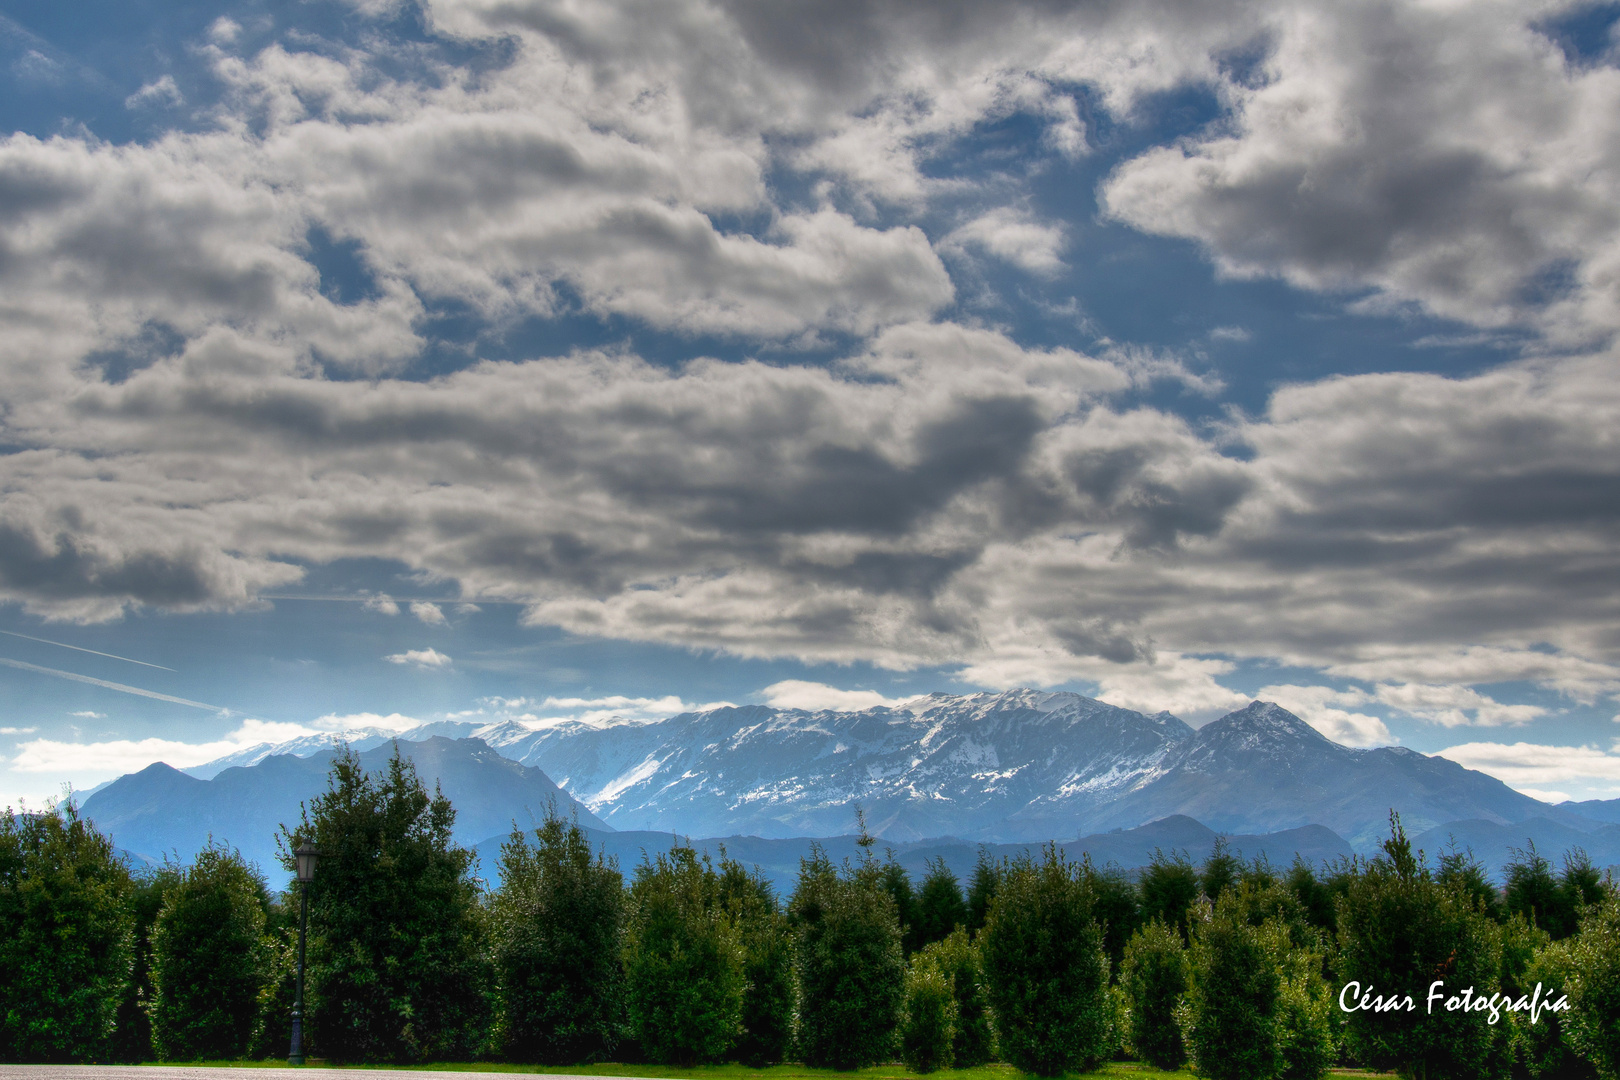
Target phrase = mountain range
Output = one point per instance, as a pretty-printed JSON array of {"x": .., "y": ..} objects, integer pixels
[{"x": 1018, "y": 767}]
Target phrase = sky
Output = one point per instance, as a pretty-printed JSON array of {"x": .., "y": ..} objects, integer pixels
[{"x": 381, "y": 361}]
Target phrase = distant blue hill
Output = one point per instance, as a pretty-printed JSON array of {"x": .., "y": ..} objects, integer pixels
[
  {"x": 778, "y": 859},
  {"x": 1493, "y": 844},
  {"x": 161, "y": 811}
]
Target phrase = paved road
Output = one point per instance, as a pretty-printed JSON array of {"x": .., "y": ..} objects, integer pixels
[{"x": 183, "y": 1072}]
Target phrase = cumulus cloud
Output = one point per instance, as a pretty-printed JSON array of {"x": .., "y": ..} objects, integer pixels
[
  {"x": 381, "y": 604},
  {"x": 814, "y": 696},
  {"x": 426, "y": 659},
  {"x": 1532, "y": 766},
  {"x": 1361, "y": 155},
  {"x": 428, "y": 613},
  {"x": 160, "y": 92}
]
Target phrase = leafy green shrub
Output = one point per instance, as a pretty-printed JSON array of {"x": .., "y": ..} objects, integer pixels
[
  {"x": 1399, "y": 931},
  {"x": 1045, "y": 968},
  {"x": 65, "y": 937},
  {"x": 1153, "y": 977},
  {"x": 132, "y": 1036},
  {"x": 1307, "y": 1027},
  {"x": 556, "y": 924},
  {"x": 1592, "y": 1024},
  {"x": 766, "y": 938},
  {"x": 683, "y": 963},
  {"x": 848, "y": 964},
  {"x": 1228, "y": 1018},
  {"x": 1116, "y": 905},
  {"x": 1540, "y": 1048},
  {"x": 396, "y": 969},
  {"x": 957, "y": 957},
  {"x": 210, "y": 960},
  {"x": 928, "y": 1024}
]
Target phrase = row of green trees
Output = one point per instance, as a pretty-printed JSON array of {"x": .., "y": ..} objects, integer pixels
[{"x": 1051, "y": 965}]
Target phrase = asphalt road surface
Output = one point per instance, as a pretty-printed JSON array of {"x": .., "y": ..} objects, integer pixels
[{"x": 182, "y": 1072}]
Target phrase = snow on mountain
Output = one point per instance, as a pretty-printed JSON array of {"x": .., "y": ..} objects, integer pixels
[{"x": 1018, "y": 766}]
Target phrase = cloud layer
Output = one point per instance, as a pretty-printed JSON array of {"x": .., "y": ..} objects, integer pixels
[{"x": 196, "y": 410}]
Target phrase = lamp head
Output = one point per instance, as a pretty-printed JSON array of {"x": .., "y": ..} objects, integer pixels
[{"x": 304, "y": 858}]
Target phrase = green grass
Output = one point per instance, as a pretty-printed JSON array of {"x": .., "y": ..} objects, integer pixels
[{"x": 776, "y": 1072}]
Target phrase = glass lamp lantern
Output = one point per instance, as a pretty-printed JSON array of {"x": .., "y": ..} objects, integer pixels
[{"x": 304, "y": 859}]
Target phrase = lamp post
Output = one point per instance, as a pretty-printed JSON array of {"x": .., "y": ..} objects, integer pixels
[{"x": 304, "y": 859}]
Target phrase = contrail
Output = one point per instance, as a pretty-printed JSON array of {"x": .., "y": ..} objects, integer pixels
[
  {"x": 92, "y": 652},
  {"x": 23, "y": 666}
]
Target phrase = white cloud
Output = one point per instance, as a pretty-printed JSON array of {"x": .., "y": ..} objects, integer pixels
[
  {"x": 159, "y": 92},
  {"x": 1320, "y": 707},
  {"x": 814, "y": 696},
  {"x": 427, "y": 659},
  {"x": 1362, "y": 156},
  {"x": 1454, "y": 706},
  {"x": 23, "y": 730},
  {"x": 89, "y": 715},
  {"x": 1529, "y": 767},
  {"x": 1015, "y": 237},
  {"x": 431, "y": 614},
  {"x": 92, "y": 762},
  {"x": 382, "y": 605},
  {"x": 356, "y": 721}
]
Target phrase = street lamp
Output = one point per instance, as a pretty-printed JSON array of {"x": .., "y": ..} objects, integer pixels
[{"x": 304, "y": 859}]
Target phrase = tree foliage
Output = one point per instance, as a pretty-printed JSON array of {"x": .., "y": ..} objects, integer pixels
[
  {"x": 1399, "y": 931},
  {"x": 928, "y": 1022},
  {"x": 1169, "y": 887},
  {"x": 65, "y": 937},
  {"x": 557, "y": 926},
  {"x": 1045, "y": 967},
  {"x": 766, "y": 938},
  {"x": 396, "y": 961},
  {"x": 1154, "y": 977},
  {"x": 1592, "y": 1024},
  {"x": 940, "y": 906},
  {"x": 210, "y": 959},
  {"x": 683, "y": 962},
  {"x": 1229, "y": 1016},
  {"x": 849, "y": 965}
]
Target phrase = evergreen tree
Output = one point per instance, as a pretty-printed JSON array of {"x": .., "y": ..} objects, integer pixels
[
  {"x": 982, "y": 890},
  {"x": 1399, "y": 931},
  {"x": 557, "y": 924},
  {"x": 849, "y": 965},
  {"x": 1169, "y": 887},
  {"x": 1580, "y": 883},
  {"x": 396, "y": 969},
  {"x": 928, "y": 1023},
  {"x": 1045, "y": 968},
  {"x": 132, "y": 1037},
  {"x": 1459, "y": 870},
  {"x": 65, "y": 937},
  {"x": 683, "y": 963},
  {"x": 210, "y": 960},
  {"x": 897, "y": 883},
  {"x": 940, "y": 907},
  {"x": 1533, "y": 892},
  {"x": 1315, "y": 897},
  {"x": 957, "y": 958},
  {"x": 1220, "y": 871},
  {"x": 1117, "y": 906},
  {"x": 1154, "y": 977},
  {"x": 766, "y": 938}
]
